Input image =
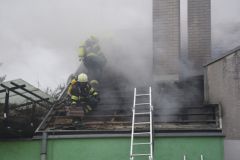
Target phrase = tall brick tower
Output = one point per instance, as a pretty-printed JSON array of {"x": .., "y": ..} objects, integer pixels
[
  {"x": 199, "y": 33},
  {"x": 167, "y": 37}
]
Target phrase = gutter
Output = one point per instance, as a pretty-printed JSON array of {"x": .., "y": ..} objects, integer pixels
[{"x": 156, "y": 135}]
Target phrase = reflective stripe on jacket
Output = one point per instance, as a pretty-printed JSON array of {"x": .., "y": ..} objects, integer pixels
[{"x": 74, "y": 98}]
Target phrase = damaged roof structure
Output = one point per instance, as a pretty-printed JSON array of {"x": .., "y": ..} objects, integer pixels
[
  {"x": 22, "y": 107},
  {"x": 176, "y": 109}
]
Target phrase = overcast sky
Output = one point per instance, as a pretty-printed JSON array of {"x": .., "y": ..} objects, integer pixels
[{"x": 39, "y": 39}]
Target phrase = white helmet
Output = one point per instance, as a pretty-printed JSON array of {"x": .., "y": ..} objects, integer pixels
[{"x": 82, "y": 77}]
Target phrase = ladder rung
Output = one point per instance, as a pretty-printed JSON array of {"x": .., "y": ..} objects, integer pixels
[
  {"x": 142, "y": 95},
  {"x": 139, "y": 133},
  {"x": 141, "y": 143},
  {"x": 139, "y": 104},
  {"x": 142, "y": 113},
  {"x": 142, "y": 123},
  {"x": 141, "y": 155}
]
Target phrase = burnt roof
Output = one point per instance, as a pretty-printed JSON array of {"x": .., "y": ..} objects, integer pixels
[{"x": 174, "y": 110}]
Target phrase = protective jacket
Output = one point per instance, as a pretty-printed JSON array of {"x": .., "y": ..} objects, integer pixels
[{"x": 84, "y": 95}]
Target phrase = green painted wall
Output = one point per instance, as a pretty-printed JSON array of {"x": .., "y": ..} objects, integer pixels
[
  {"x": 172, "y": 148},
  {"x": 175, "y": 148},
  {"x": 20, "y": 150},
  {"x": 89, "y": 149}
]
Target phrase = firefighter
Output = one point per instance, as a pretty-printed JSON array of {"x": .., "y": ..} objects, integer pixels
[
  {"x": 92, "y": 57},
  {"x": 94, "y": 83},
  {"x": 83, "y": 94}
]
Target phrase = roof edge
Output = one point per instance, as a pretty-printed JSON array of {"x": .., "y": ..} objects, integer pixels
[
  {"x": 223, "y": 56},
  {"x": 84, "y": 136}
]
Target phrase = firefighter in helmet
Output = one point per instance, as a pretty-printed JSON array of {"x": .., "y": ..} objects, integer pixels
[
  {"x": 92, "y": 57},
  {"x": 83, "y": 94}
]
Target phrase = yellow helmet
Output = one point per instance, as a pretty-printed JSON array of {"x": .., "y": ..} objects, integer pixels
[
  {"x": 82, "y": 77},
  {"x": 94, "y": 82},
  {"x": 94, "y": 39}
]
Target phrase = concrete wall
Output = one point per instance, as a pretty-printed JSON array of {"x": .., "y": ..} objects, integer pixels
[
  {"x": 199, "y": 33},
  {"x": 231, "y": 149},
  {"x": 113, "y": 149},
  {"x": 166, "y": 39},
  {"x": 222, "y": 86}
]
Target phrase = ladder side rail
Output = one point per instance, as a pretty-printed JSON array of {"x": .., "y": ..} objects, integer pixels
[
  {"x": 184, "y": 157},
  {"x": 133, "y": 121},
  {"x": 151, "y": 125}
]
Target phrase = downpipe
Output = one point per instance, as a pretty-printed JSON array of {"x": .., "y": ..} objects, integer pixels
[{"x": 44, "y": 146}]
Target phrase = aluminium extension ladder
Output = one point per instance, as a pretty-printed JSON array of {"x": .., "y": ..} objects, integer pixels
[{"x": 149, "y": 133}]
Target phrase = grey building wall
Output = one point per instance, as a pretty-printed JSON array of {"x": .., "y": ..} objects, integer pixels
[
  {"x": 222, "y": 86},
  {"x": 199, "y": 33},
  {"x": 231, "y": 149},
  {"x": 166, "y": 39}
]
